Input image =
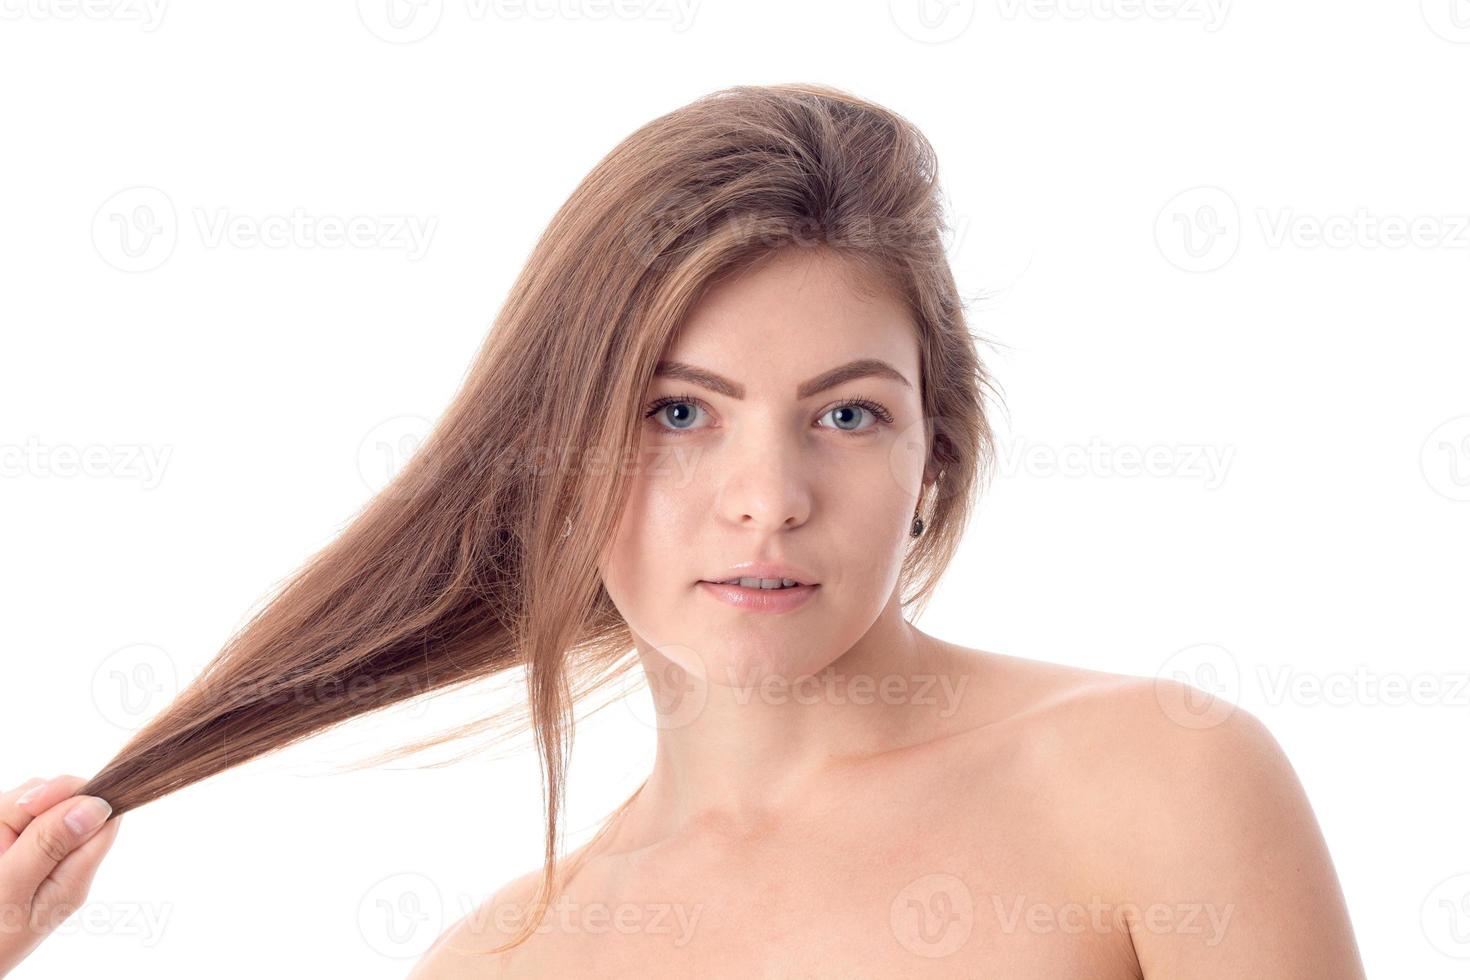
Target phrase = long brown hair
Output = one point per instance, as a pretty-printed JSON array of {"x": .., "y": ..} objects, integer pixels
[{"x": 481, "y": 555}]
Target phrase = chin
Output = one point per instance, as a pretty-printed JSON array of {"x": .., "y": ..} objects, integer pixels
[{"x": 761, "y": 657}]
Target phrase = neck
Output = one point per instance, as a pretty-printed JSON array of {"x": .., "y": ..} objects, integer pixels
[{"x": 755, "y": 749}]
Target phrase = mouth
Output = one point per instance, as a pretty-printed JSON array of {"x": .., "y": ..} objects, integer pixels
[
  {"x": 752, "y": 595},
  {"x": 763, "y": 584}
]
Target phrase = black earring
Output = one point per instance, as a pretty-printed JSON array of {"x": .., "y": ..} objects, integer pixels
[{"x": 918, "y": 527}]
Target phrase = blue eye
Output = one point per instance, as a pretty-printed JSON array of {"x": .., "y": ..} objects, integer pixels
[
  {"x": 677, "y": 413},
  {"x": 677, "y": 410},
  {"x": 852, "y": 412}
]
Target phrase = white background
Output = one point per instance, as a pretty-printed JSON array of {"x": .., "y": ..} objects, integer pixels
[{"x": 1187, "y": 219}]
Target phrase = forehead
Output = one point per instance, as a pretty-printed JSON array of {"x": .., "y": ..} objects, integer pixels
[{"x": 794, "y": 314}]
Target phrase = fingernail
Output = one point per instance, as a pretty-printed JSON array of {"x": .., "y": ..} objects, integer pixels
[
  {"x": 88, "y": 815},
  {"x": 33, "y": 792}
]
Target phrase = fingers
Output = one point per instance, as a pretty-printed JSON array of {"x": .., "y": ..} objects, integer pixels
[
  {"x": 9, "y": 833},
  {"x": 47, "y": 841},
  {"x": 19, "y": 806},
  {"x": 68, "y": 884},
  {"x": 22, "y": 789},
  {"x": 74, "y": 874},
  {"x": 47, "y": 871}
]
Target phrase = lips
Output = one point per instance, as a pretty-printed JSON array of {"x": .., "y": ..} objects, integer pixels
[
  {"x": 771, "y": 584},
  {"x": 759, "y": 599},
  {"x": 752, "y": 574}
]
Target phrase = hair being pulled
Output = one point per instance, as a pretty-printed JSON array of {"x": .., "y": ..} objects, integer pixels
[{"x": 461, "y": 568}]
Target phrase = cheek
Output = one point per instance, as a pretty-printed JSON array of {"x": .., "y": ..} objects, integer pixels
[
  {"x": 649, "y": 552},
  {"x": 873, "y": 537},
  {"x": 876, "y": 493}
]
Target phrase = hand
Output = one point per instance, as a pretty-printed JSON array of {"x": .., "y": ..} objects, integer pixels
[{"x": 46, "y": 865}]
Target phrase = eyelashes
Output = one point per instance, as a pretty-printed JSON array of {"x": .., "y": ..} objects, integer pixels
[{"x": 874, "y": 408}]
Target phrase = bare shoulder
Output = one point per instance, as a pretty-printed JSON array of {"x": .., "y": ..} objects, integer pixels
[
  {"x": 1149, "y": 748},
  {"x": 1150, "y": 744},
  {"x": 1091, "y": 715},
  {"x": 1186, "y": 804},
  {"x": 463, "y": 950}
]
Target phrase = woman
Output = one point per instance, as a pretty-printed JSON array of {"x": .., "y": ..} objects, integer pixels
[{"x": 731, "y": 417}]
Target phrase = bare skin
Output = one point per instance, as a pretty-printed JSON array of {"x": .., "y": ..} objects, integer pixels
[
  {"x": 998, "y": 817},
  {"x": 1060, "y": 824},
  {"x": 47, "y": 862}
]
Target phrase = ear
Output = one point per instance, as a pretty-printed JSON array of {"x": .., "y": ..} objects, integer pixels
[{"x": 931, "y": 477}]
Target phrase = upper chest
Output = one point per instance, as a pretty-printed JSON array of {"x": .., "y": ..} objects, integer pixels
[{"x": 907, "y": 875}]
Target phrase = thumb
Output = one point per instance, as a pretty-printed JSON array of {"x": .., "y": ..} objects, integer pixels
[{"x": 47, "y": 841}]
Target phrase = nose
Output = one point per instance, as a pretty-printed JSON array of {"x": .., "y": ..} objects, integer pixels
[{"x": 766, "y": 485}]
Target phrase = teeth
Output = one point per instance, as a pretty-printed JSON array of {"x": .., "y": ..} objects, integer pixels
[{"x": 761, "y": 583}]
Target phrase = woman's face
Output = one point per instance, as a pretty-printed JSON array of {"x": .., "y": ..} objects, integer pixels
[{"x": 755, "y": 460}]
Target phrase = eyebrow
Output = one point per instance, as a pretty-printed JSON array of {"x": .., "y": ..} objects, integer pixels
[{"x": 867, "y": 367}]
